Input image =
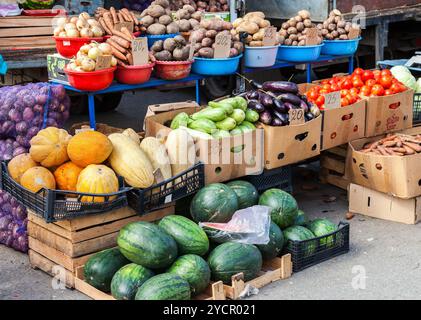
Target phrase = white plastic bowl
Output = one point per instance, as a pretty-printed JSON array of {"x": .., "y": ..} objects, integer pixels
[{"x": 260, "y": 57}]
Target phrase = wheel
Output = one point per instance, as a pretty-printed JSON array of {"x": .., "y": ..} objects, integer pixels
[
  {"x": 217, "y": 87},
  {"x": 103, "y": 102}
]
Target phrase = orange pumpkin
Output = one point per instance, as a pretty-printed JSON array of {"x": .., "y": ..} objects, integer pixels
[
  {"x": 36, "y": 178},
  {"x": 19, "y": 164},
  {"x": 89, "y": 147},
  {"x": 49, "y": 147},
  {"x": 66, "y": 176},
  {"x": 97, "y": 179}
]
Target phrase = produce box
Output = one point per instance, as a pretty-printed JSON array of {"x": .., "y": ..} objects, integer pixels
[
  {"x": 55, "y": 67},
  {"x": 225, "y": 159},
  {"x": 334, "y": 166},
  {"x": 159, "y": 108},
  {"x": 380, "y": 205},
  {"x": 396, "y": 175},
  {"x": 389, "y": 113}
]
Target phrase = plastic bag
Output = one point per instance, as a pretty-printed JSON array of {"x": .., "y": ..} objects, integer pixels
[{"x": 250, "y": 225}]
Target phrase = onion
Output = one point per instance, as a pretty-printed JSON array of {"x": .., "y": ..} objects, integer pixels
[
  {"x": 70, "y": 26},
  {"x": 61, "y": 22},
  {"x": 94, "y": 53},
  {"x": 86, "y": 33},
  {"x": 88, "y": 64},
  {"x": 97, "y": 31},
  {"x": 93, "y": 22},
  {"x": 62, "y": 34},
  {"x": 84, "y": 49},
  {"x": 73, "y": 20},
  {"x": 113, "y": 61},
  {"x": 72, "y": 33},
  {"x": 81, "y": 24},
  {"x": 57, "y": 31},
  {"x": 105, "y": 49},
  {"x": 84, "y": 15}
]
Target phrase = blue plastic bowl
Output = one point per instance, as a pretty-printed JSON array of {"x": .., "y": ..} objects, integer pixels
[
  {"x": 340, "y": 47},
  {"x": 299, "y": 53},
  {"x": 216, "y": 67},
  {"x": 153, "y": 38}
]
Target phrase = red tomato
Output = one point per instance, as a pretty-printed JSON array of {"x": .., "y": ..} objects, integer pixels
[
  {"x": 386, "y": 81},
  {"x": 312, "y": 95},
  {"x": 344, "y": 102},
  {"x": 367, "y": 75},
  {"x": 323, "y": 91},
  {"x": 370, "y": 82},
  {"x": 344, "y": 92},
  {"x": 357, "y": 82},
  {"x": 325, "y": 82},
  {"x": 358, "y": 71},
  {"x": 377, "y": 90},
  {"x": 402, "y": 87},
  {"x": 385, "y": 72},
  {"x": 388, "y": 92},
  {"x": 350, "y": 99},
  {"x": 355, "y": 91},
  {"x": 334, "y": 87},
  {"x": 326, "y": 87},
  {"x": 347, "y": 84},
  {"x": 320, "y": 101},
  {"x": 365, "y": 90}
]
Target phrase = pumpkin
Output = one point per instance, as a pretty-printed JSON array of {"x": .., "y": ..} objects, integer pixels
[
  {"x": 97, "y": 179},
  {"x": 19, "y": 164},
  {"x": 89, "y": 147},
  {"x": 181, "y": 150},
  {"x": 66, "y": 176},
  {"x": 130, "y": 162},
  {"x": 132, "y": 135},
  {"x": 157, "y": 154},
  {"x": 36, "y": 178},
  {"x": 49, "y": 147}
]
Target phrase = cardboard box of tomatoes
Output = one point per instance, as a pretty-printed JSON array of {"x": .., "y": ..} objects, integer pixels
[{"x": 389, "y": 102}]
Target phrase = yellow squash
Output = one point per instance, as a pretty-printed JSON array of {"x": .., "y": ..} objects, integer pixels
[
  {"x": 157, "y": 154},
  {"x": 181, "y": 150}
]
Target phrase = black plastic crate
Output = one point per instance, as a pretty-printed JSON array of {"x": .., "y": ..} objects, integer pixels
[
  {"x": 54, "y": 205},
  {"x": 307, "y": 253},
  {"x": 417, "y": 108},
  {"x": 176, "y": 188},
  {"x": 274, "y": 178}
]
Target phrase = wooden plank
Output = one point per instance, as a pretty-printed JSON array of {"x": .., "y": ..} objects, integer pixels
[
  {"x": 9, "y": 22},
  {"x": 49, "y": 226},
  {"x": 87, "y": 289},
  {"x": 40, "y": 262},
  {"x": 26, "y": 41},
  {"x": 332, "y": 164},
  {"x": 338, "y": 181},
  {"x": 338, "y": 151},
  {"x": 26, "y": 32}
]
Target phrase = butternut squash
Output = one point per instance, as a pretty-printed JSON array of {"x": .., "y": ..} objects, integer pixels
[
  {"x": 132, "y": 135},
  {"x": 157, "y": 154}
]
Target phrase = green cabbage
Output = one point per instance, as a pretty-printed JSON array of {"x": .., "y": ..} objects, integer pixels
[
  {"x": 403, "y": 74},
  {"x": 418, "y": 89}
]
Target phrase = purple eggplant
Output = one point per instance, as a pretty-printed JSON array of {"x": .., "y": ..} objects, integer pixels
[
  {"x": 252, "y": 95},
  {"x": 288, "y": 106},
  {"x": 279, "y": 106},
  {"x": 266, "y": 117},
  {"x": 280, "y": 86},
  {"x": 282, "y": 116},
  {"x": 256, "y": 85},
  {"x": 265, "y": 99},
  {"x": 304, "y": 106},
  {"x": 291, "y": 98},
  {"x": 276, "y": 122},
  {"x": 256, "y": 106},
  {"x": 309, "y": 116}
]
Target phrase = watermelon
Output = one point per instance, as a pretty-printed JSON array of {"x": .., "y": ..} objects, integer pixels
[
  {"x": 300, "y": 233},
  {"x": 222, "y": 232},
  {"x": 128, "y": 280},
  {"x": 101, "y": 267},
  {"x": 321, "y": 227},
  {"x": 37, "y": 4},
  {"x": 147, "y": 244},
  {"x": 231, "y": 258},
  {"x": 283, "y": 206},
  {"x": 189, "y": 236},
  {"x": 194, "y": 270},
  {"x": 275, "y": 245},
  {"x": 214, "y": 203},
  {"x": 300, "y": 219},
  {"x": 247, "y": 193},
  {"x": 165, "y": 286}
]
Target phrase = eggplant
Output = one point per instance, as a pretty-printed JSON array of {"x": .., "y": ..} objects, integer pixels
[
  {"x": 304, "y": 106},
  {"x": 288, "y": 106},
  {"x": 266, "y": 117},
  {"x": 256, "y": 106},
  {"x": 256, "y": 85},
  {"x": 243, "y": 94},
  {"x": 280, "y": 86},
  {"x": 253, "y": 95},
  {"x": 291, "y": 98},
  {"x": 265, "y": 99},
  {"x": 309, "y": 116},
  {"x": 279, "y": 106},
  {"x": 276, "y": 122},
  {"x": 282, "y": 116}
]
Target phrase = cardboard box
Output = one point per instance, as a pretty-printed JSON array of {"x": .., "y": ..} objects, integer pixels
[
  {"x": 382, "y": 206},
  {"x": 389, "y": 113},
  {"x": 399, "y": 176},
  {"x": 159, "y": 108},
  {"x": 224, "y": 159},
  {"x": 344, "y": 124},
  {"x": 55, "y": 67}
]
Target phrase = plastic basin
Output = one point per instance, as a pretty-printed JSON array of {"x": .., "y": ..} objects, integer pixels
[
  {"x": 216, "y": 67},
  {"x": 152, "y": 38},
  {"x": 340, "y": 47},
  {"x": 134, "y": 74},
  {"x": 173, "y": 70},
  {"x": 260, "y": 57},
  {"x": 90, "y": 81},
  {"x": 299, "y": 54},
  {"x": 68, "y": 47}
]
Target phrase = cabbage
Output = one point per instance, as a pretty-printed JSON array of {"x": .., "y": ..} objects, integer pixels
[
  {"x": 403, "y": 74},
  {"x": 418, "y": 89}
]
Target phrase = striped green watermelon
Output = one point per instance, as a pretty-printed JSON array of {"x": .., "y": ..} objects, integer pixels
[
  {"x": 147, "y": 244},
  {"x": 101, "y": 267},
  {"x": 283, "y": 207},
  {"x": 300, "y": 219},
  {"x": 194, "y": 270},
  {"x": 189, "y": 236},
  {"x": 214, "y": 203},
  {"x": 275, "y": 245},
  {"x": 300, "y": 233},
  {"x": 246, "y": 192},
  {"x": 37, "y": 4},
  {"x": 321, "y": 227},
  {"x": 128, "y": 280},
  {"x": 165, "y": 286},
  {"x": 231, "y": 258}
]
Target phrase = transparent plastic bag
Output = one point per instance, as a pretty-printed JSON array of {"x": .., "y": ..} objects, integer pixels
[{"x": 250, "y": 225}]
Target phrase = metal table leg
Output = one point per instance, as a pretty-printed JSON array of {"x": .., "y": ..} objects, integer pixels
[
  {"x": 308, "y": 72},
  {"x": 198, "y": 92},
  {"x": 351, "y": 65},
  {"x": 91, "y": 106}
]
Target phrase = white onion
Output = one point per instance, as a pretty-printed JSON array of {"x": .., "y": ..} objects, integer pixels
[
  {"x": 62, "y": 34},
  {"x": 88, "y": 64},
  {"x": 61, "y": 22},
  {"x": 113, "y": 61},
  {"x": 105, "y": 48},
  {"x": 97, "y": 31},
  {"x": 94, "y": 53},
  {"x": 69, "y": 26},
  {"x": 93, "y": 22},
  {"x": 81, "y": 23},
  {"x": 84, "y": 15},
  {"x": 72, "y": 33},
  {"x": 73, "y": 20},
  {"x": 84, "y": 49},
  {"x": 86, "y": 33},
  {"x": 57, "y": 31}
]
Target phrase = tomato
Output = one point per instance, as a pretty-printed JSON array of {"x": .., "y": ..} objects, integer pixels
[
  {"x": 334, "y": 87},
  {"x": 365, "y": 90},
  {"x": 323, "y": 91},
  {"x": 355, "y": 91},
  {"x": 312, "y": 95},
  {"x": 326, "y": 87},
  {"x": 350, "y": 99},
  {"x": 358, "y": 71},
  {"x": 344, "y": 102},
  {"x": 367, "y": 75},
  {"x": 370, "y": 82},
  {"x": 402, "y": 87},
  {"x": 325, "y": 82},
  {"x": 388, "y": 92},
  {"x": 320, "y": 101},
  {"x": 357, "y": 83},
  {"x": 344, "y": 92},
  {"x": 347, "y": 84},
  {"x": 385, "y": 72},
  {"x": 386, "y": 81},
  {"x": 377, "y": 90}
]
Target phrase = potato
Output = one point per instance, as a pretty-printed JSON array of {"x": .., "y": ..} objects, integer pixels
[
  {"x": 205, "y": 23},
  {"x": 295, "y": 43},
  {"x": 211, "y": 34},
  {"x": 193, "y": 23},
  {"x": 329, "y": 36},
  {"x": 341, "y": 31},
  {"x": 283, "y": 33},
  {"x": 335, "y": 34},
  {"x": 301, "y": 38},
  {"x": 264, "y": 24},
  {"x": 196, "y": 16},
  {"x": 288, "y": 42},
  {"x": 158, "y": 46},
  {"x": 337, "y": 19},
  {"x": 207, "y": 42},
  {"x": 206, "y": 53},
  {"x": 319, "y": 26},
  {"x": 281, "y": 39},
  {"x": 325, "y": 24},
  {"x": 239, "y": 46},
  {"x": 285, "y": 25},
  {"x": 302, "y": 43},
  {"x": 173, "y": 28},
  {"x": 325, "y": 32},
  {"x": 189, "y": 8},
  {"x": 156, "y": 11},
  {"x": 292, "y": 22},
  {"x": 249, "y": 27},
  {"x": 343, "y": 37},
  {"x": 182, "y": 14},
  {"x": 293, "y": 37},
  {"x": 147, "y": 21},
  {"x": 331, "y": 20},
  {"x": 335, "y": 12},
  {"x": 308, "y": 23},
  {"x": 233, "y": 52},
  {"x": 348, "y": 26},
  {"x": 254, "y": 14},
  {"x": 227, "y": 25},
  {"x": 256, "y": 44},
  {"x": 197, "y": 46},
  {"x": 217, "y": 24},
  {"x": 258, "y": 36},
  {"x": 341, "y": 24},
  {"x": 184, "y": 25},
  {"x": 300, "y": 26},
  {"x": 162, "y": 3},
  {"x": 163, "y": 55},
  {"x": 304, "y": 14},
  {"x": 197, "y": 36},
  {"x": 165, "y": 20},
  {"x": 178, "y": 54},
  {"x": 237, "y": 22},
  {"x": 292, "y": 30},
  {"x": 169, "y": 44},
  {"x": 156, "y": 28},
  {"x": 331, "y": 27},
  {"x": 180, "y": 40},
  {"x": 249, "y": 39}
]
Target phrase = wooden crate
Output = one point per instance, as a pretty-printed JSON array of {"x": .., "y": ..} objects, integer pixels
[
  {"x": 70, "y": 243},
  {"x": 23, "y": 32},
  {"x": 333, "y": 166}
]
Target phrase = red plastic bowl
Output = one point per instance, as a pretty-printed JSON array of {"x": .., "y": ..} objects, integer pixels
[
  {"x": 173, "y": 70},
  {"x": 68, "y": 47},
  {"x": 134, "y": 74},
  {"x": 90, "y": 81}
]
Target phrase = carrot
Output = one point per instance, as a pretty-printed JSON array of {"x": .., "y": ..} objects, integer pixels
[
  {"x": 114, "y": 44},
  {"x": 382, "y": 151},
  {"x": 120, "y": 17},
  {"x": 414, "y": 146},
  {"x": 401, "y": 150},
  {"x": 390, "y": 143},
  {"x": 123, "y": 35},
  {"x": 152, "y": 57},
  {"x": 104, "y": 26},
  {"x": 127, "y": 17},
  {"x": 388, "y": 138},
  {"x": 108, "y": 20},
  {"x": 122, "y": 42},
  {"x": 408, "y": 150},
  {"x": 135, "y": 20},
  {"x": 117, "y": 53},
  {"x": 114, "y": 15},
  {"x": 129, "y": 57}
]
